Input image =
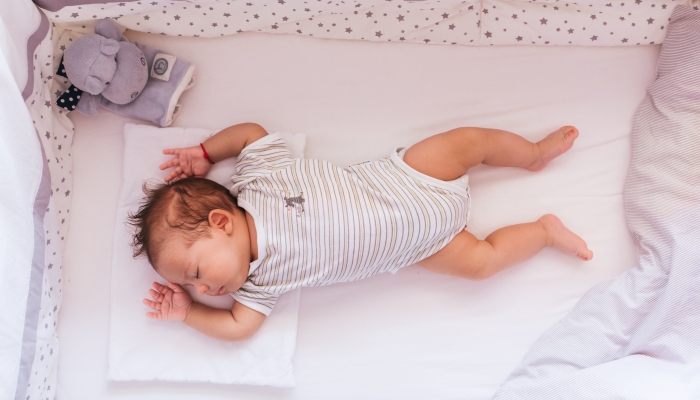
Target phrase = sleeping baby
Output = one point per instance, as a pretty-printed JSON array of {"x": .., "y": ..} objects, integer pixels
[{"x": 288, "y": 222}]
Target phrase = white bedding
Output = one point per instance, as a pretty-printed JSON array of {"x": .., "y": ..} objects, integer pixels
[
  {"x": 641, "y": 329},
  {"x": 413, "y": 335}
]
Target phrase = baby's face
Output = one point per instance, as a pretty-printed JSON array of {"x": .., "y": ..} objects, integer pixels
[{"x": 214, "y": 266}]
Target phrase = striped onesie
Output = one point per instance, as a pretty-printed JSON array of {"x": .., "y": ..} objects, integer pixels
[{"x": 319, "y": 224}]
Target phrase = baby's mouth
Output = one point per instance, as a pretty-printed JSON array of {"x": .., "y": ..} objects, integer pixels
[{"x": 220, "y": 292}]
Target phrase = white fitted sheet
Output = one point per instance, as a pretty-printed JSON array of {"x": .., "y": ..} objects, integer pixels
[{"x": 413, "y": 335}]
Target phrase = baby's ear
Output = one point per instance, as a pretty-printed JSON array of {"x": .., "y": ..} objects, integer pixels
[{"x": 220, "y": 219}]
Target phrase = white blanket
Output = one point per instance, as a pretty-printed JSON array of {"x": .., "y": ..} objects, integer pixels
[
  {"x": 144, "y": 349},
  {"x": 638, "y": 337}
]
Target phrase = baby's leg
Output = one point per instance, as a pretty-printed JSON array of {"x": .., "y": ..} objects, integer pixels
[
  {"x": 467, "y": 257},
  {"x": 451, "y": 154}
]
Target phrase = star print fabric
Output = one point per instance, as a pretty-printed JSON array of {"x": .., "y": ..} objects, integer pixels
[
  {"x": 476, "y": 23},
  {"x": 55, "y": 131},
  {"x": 612, "y": 23}
]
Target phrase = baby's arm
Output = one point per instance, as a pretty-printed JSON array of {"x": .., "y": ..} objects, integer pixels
[
  {"x": 190, "y": 161},
  {"x": 232, "y": 140},
  {"x": 173, "y": 303},
  {"x": 239, "y": 323}
]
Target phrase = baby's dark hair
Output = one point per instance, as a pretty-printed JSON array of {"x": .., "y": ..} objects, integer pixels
[{"x": 182, "y": 206}]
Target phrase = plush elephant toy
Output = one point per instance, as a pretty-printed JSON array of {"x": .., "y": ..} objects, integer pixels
[{"x": 127, "y": 78}]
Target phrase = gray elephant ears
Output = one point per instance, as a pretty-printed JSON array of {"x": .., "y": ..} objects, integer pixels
[
  {"x": 109, "y": 47},
  {"x": 93, "y": 85},
  {"x": 109, "y": 29},
  {"x": 88, "y": 104}
]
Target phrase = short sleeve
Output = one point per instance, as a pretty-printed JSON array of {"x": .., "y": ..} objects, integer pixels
[
  {"x": 263, "y": 157},
  {"x": 256, "y": 299}
]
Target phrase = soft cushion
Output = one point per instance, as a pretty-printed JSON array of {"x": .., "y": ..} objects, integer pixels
[{"x": 145, "y": 349}]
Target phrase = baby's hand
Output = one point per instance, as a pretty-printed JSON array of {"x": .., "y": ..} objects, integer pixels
[
  {"x": 188, "y": 162},
  {"x": 172, "y": 302}
]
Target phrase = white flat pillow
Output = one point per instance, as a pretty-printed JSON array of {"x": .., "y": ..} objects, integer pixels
[{"x": 144, "y": 349}]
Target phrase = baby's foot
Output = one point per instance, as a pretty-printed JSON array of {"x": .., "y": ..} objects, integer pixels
[
  {"x": 562, "y": 239},
  {"x": 553, "y": 146}
]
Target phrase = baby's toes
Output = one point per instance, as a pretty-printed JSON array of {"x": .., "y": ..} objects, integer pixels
[
  {"x": 570, "y": 133},
  {"x": 585, "y": 255}
]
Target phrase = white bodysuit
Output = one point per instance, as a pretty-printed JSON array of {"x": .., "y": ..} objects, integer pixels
[{"x": 319, "y": 224}]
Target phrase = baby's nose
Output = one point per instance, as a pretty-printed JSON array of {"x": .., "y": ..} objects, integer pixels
[{"x": 202, "y": 289}]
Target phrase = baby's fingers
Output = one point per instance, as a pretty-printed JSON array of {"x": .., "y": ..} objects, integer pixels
[
  {"x": 175, "y": 287},
  {"x": 156, "y": 295},
  {"x": 154, "y": 315},
  {"x": 170, "y": 163},
  {"x": 152, "y": 304},
  {"x": 161, "y": 288},
  {"x": 173, "y": 174}
]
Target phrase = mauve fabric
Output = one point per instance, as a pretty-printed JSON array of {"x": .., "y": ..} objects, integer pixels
[{"x": 55, "y": 5}]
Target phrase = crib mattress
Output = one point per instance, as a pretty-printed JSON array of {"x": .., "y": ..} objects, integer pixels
[{"x": 415, "y": 334}]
